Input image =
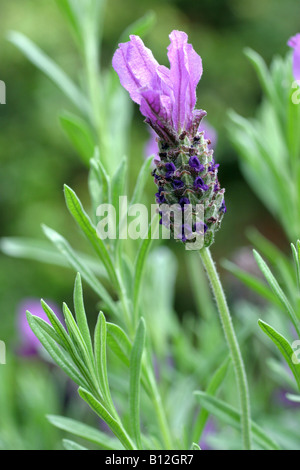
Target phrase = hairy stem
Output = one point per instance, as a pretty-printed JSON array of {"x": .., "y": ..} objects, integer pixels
[{"x": 233, "y": 345}]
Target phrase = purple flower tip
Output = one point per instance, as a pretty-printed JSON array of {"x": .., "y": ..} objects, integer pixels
[
  {"x": 294, "y": 43},
  {"x": 167, "y": 97}
]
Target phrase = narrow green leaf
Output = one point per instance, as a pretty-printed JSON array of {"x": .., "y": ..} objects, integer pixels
[
  {"x": 141, "y": 181},
  {"x": 114, "y": 425},
  {"x": 79, "y": 134},
  {"x": 119, "y": 342},
  {"x": 44, "y": 252},
  {"x": 139, "y": 27},
  {"x": 101, "y": 361},
  {"x": 212, "y": 389},
  {"x": 118, "y": 117},
  {"x": 60, "y": 330},
  {"x": 195, "y": 446},
  {"x": 252, "y": 282},
  {"x": 127, "y": 273},
  {"x": 118, "y": 189},
  {"x": 50, "y": 331},
  {"x": 263, "y": 73},
  {"x": 81, "y": 318},
  {"x": 272, "y": 252},
  {"x": 86, "y": 432},
  {"x": 69, "y": 13},
  {"x": 80, "y": 266},
  {"x": 281, "y": 374},
  {"x": 135, "y": 379},
  {"x": 71, "y": 445},
  {"x": 294, "y": 398},
  {"x": 50, "y": 68},
  {"x": 80, "y": 354},
  {"x": 59, "y": 356},
  {"x": 118, "y": 182},
  {"x": 276, "y": 289},
  {"x": 101, "y": 182},
  {"x": 76, "y": 336},
  {"x": 139, "y": 268},
  {"x": 75, "y": 207},
  {"x": 296, "y": 261},
  {"x": 75, "y": 347},
  {"x": 231, "y": 416},
  {"x": 267, "y": 248},
  {"x": 284, "y": 347}
]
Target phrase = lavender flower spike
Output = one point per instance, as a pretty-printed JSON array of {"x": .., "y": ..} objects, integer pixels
[
  {"x": 167, "y": 99},
  {"x": 294, "y": 43}
]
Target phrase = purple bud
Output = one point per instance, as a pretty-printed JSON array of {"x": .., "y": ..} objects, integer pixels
[
  {"x": 170, "y": 169},
  {"x": 223, "y": 208},
  {"x": 178, "y": 184},
  {"x": 213, "y": 166},
  {"x": 195, "y": 163},
  {"x": 199, "y": 184},
  {"x": 184, "y": 201},
  {"x": 200, "y": 227}
]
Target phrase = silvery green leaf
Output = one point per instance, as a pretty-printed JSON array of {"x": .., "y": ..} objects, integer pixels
[
  {"x": 231, "y": 416},
  {"x": 284, "y": 347},
  {"x": 86, "y": 432},
  {"x": 51, "y": 69}
]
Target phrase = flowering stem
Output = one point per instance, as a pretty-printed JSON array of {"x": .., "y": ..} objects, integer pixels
[{"x": 233, "y": 345}]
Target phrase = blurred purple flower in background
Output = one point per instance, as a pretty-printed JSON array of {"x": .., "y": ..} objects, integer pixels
[
  {"x": 29, "y": 344},
  {"x": 294, "y": 43},
  {"x": 209, "y": 430},
  {"x": 151, "y": 147},
  {"x": 210, "y": 133}
]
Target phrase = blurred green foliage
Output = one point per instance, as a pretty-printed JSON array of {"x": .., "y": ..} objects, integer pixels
[{"x": 36, "y": 158}]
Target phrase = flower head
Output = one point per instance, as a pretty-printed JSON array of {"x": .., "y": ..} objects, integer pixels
[
  {"x": 294, "y": 43},
  {"x": 185, "y": 168}
]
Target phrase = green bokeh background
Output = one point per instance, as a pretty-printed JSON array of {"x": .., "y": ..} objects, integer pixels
[{"x": 36, "y": 158}]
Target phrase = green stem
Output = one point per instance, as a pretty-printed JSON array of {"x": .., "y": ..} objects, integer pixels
[
  {"x": 159, "y": 409},
  {"x": 233, "y": 345},
  {"x": 92, "y": 32},
  {"x": 94, "y": 87},
  {"x": 204, "y": 303}
]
